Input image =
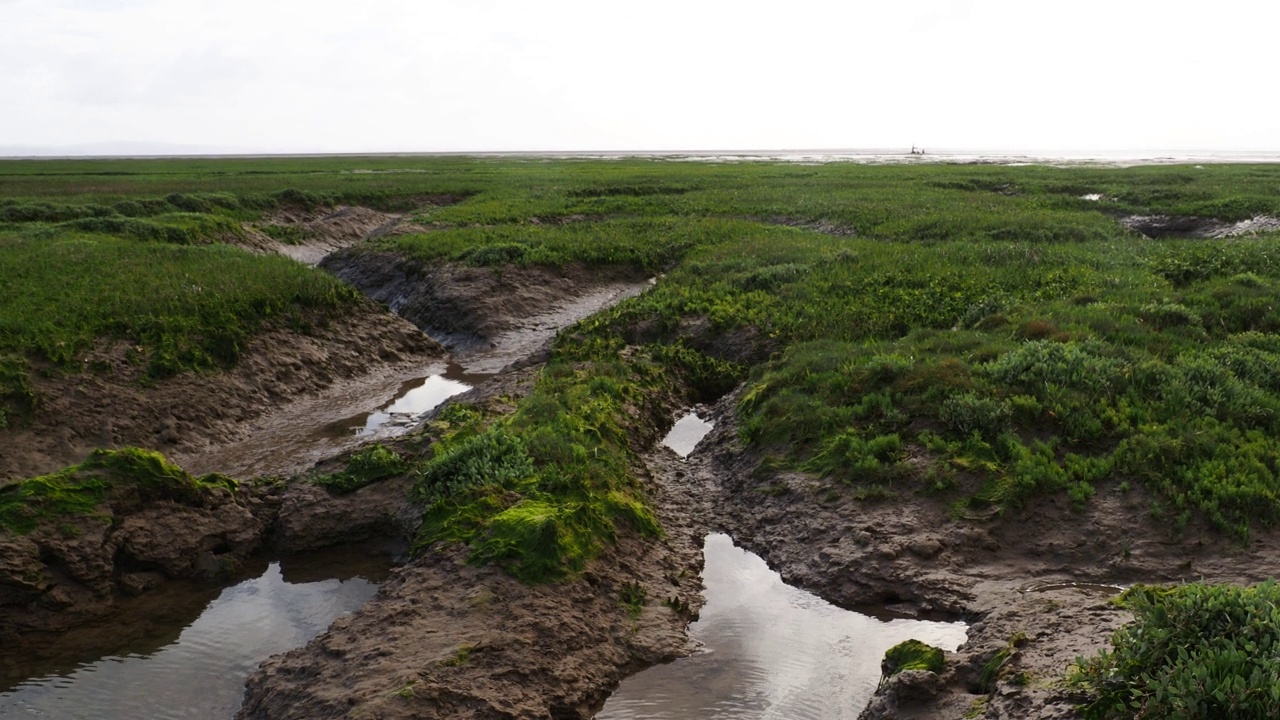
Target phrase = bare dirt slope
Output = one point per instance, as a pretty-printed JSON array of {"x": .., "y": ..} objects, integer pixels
[
  {"x": 186, "y": 414},
  {"x": 476, "y": 307}
]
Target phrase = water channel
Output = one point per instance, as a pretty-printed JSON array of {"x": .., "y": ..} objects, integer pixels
[
  {"x": 769, "y": 651},
  {"x": 185, "y": 652}
]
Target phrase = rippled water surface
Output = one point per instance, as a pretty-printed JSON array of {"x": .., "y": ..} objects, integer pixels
[
  {"x": 769, "y": 651},
  {"x": 196, "y": 671}
]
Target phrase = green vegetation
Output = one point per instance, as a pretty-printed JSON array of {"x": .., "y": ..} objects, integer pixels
[
  {"x": 984, "y": 333},
  {"x": 129, "y": 477},
  {"x": 1192, "y": 651},
  {"x": 633, "y": 597},
  {"x": 178, "y": 308},
  {"x": 910, "y": 655},
  {"x": 369, "y": 464},
  {"x": 540, "y": 491}
]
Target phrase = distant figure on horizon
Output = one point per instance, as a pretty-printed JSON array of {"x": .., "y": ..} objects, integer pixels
[{"x": 915, "y": 151}]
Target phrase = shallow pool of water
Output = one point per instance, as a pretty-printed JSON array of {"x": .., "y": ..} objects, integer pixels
[
  {"x": 769, "y": 650},
  {"x": 415, "y": 398},
  {"x": 169, "y": 666},
  {"x": 685, "y": 435}
]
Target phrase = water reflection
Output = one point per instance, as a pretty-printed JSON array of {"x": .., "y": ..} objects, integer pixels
[
  {"x": 201, "y": 673},
  {"x": 686, "y": 434},
  {"x": 414, "y": 399},
  {"x": 770, "y": 651}
]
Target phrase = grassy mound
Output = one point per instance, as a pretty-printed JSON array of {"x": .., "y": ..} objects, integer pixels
[{"x": 108, "y": 480}]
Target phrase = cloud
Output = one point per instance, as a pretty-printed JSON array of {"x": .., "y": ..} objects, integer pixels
[{"x": 502, "y": 74}]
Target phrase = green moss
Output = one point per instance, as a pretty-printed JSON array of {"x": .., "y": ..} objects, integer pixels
[
  {"x": 128, "y": 477},
  {"x": 911, "y": 655}
]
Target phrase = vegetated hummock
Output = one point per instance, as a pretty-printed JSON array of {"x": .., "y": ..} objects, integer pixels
[{"x": 988, "y": 335}]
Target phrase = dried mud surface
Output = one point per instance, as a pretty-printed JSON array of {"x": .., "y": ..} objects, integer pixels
[
  {"x": 1187, "y": 226},
  {"x": 322, "y": 231}
]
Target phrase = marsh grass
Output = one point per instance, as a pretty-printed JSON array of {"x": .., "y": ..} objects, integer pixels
[
  {"x": 978, "y": 331},
  {"x": 183, "y": 308}
]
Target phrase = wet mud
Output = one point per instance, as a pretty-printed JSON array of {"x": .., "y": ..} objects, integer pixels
[{"x": 1189, "y": 226}]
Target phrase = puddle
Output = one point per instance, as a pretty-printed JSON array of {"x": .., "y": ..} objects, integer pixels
[
  {"x": 686, "y": 434},
  {"x": 322, "y": 426},
  {"x": 415, "y": 398},
  {"x": 1047, "y": 585},
  {"x": 185, "y": 653},
  {"x": 769, "y": 651}
]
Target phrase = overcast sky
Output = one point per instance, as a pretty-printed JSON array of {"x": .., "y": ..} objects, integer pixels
[{"x": 475, "y": 75}]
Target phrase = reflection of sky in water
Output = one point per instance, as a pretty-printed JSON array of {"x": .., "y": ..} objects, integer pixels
[
  {"x": 433, "y": 391},
  {"x": 202, "y": 674},
  {"x": 771, "y": 652},
  {"x": 686, "y": 434}
]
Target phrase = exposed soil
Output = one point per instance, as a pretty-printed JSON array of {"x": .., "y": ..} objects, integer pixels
[
  {"x": 1035, "y": 585},
  {"x": 1042, "y": 573},
  {"x": 445, "y": 639},
  {"x": 106, "y": 405},
  {"x": 60, "y": 576},
  {"x": 1185, "y": 226},
  {"x": 474, "y": 310},
  {"x": 317, "y": 232}
]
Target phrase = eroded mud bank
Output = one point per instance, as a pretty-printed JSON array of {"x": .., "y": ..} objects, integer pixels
[
  {"x": 1034, "y": 583},
  {"x": 64, "y": 574}
]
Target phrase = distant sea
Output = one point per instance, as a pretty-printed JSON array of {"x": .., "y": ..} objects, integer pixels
[{"x": 864, "y": 156}]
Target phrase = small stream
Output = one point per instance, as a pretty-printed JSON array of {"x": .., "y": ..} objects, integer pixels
[
  {"x": 185, "y": 652},
  {"x": 769, "y": 650}
]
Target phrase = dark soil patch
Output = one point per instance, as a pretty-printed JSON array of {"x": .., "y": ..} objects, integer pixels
[{"x": 467, "y": 308}]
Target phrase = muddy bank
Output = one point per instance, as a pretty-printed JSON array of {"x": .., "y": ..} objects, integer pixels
[
  {"x": 75, "y": 569},
  {"x": 472, "y": 309},
  {"x": 308, "y": 235},
  {"x": 1034, "y": 584},
  {"x": 445, "y": 639},
  {"x": 106, "y": 404}
]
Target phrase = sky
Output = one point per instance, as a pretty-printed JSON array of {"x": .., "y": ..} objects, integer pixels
[{"x": 558, "y": 75}]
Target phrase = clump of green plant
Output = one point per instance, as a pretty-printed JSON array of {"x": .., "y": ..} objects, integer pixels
[
  {"x": 911, "y": 655},
  {"x": 1193, "y": 650},
  {"x": 367, "y": 465},
  {"x": 461, "y": 655},
  {"x": 129, "y": 477},
  {"x": 633, "y": 597},
  {"x": 495, "y": 458}
]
